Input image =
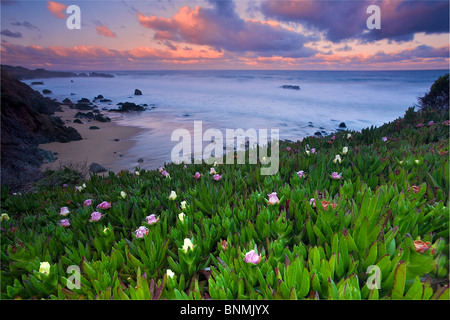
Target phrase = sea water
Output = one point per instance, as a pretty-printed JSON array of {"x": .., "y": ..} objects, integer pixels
[{"x": 246, "y": 100}]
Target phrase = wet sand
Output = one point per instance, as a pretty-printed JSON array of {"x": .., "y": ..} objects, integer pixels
[{"x": 100, "y": 145}]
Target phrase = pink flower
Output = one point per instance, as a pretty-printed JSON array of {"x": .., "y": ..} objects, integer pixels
[
  {"x": 312, "y": 202},
  {"x": 95, "y": 216},
  {"x": 104, "y": 205},
  {"x": 301, "y": 174},
  {"x": 197, "y": 175},
  {"x": 273, "y": 198},
  {"x": 64, "y": 211},
  {"x": 431, "y": 123},
  {"x": 141, "y": 232},
  {"x": 151, "y": 219},
  {"x": 333, "y": 138},
  {"x": 64, "y": 222},
  {"x": 217, "y": 177},
  {"x": 64, "y": 185},
  {"x": 384, "y": 139},
  {"x": 419, "y": 125},
  {"x": 87, "y": 203},
  {"x": 336, "y": 175},
  {"x": 288, "y": 148},
  {"x": 252, "y": 257},
  {"x": 313, "y": 150},
  {"x": 164, "y": 173}
]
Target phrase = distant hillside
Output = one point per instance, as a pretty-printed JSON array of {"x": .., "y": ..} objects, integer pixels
[
  {"x": 26, "y": 121},
  {"x": 22, "y": 73}
]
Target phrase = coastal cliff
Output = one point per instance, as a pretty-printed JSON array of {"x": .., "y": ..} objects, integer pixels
[{"x": 26, "y": 121}]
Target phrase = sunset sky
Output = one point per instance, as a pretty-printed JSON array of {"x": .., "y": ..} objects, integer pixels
[{"x": 239, "y": 34}]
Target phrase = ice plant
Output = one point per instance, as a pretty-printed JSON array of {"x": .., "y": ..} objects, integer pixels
[
  {"x": 123, "y": 194},
  {"x": 64, "y": 222},
  {"x": 172, "y": 195},
  {"x": 164, "y": 173},
  {"x": 87, "y": 202},
  {"x": 349, "y": 135},
  {"x": 312, "y": 202},
  {"x": 151, "y": 219},
  {"x": 217, "y": 177},
  {"x": 252, "y": 257},
  {"x": 104, "y": 205},
  {"x": 224, "y": 244},
  {"x": 212, "y": 171},
  {"x": 95, "y": 216},
  {"x": 4, "y": 217},
  {"x": 44, "y": 268},
  {"x": 64, "y": 211},
  {"x": 421, "y": 246},
  {"x": 181, "y": 217},
  {"x": 384, "y": 139},
  {"x": 431, "y": 123},
  {"x": 415, "y": 189},
  {"x": 273, "y": 198},
  {"x": 187, "y": 245},
  {"x": 141, "y": 232},
  {"x": 336, "y": 176},
  {"x": 325, "y": 205},
  {"x": 301, "y": 174},
  {"x": 183, "y": 205}
]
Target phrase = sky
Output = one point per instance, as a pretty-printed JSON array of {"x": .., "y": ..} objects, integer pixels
[{"x": 226, "y": 34}]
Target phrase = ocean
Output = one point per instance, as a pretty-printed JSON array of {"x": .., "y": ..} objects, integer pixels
[{"x": 245, "y": 100}]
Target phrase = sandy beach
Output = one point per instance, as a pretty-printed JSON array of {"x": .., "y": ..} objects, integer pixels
[{"x": 104, "y": 146}]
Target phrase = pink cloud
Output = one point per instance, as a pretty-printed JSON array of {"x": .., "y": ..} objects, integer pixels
[
  {"x": 104, "y": 31},
  {"x": 57, "y": 9}
]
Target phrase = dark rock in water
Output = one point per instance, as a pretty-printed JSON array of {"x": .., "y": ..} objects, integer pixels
[
  {"x": 288, "y": 86},
  {"x": 140, "y": 160},
  {"x": 85, "y": 101},
  {"x": 342, "y": 125},
  {"x": 96, "y": 168},
  {"x": 26, "y": 122},
  {"x": 77, "y": 121},
  {"x": 116, "y": 139},
  {"x": 36, "y": 83},
  {"x": 101, "y": 118},
  {"x": 72, "y": 94},
  {"x": 67, "y": 101},
  {"x": 46, "y": 91},
  {"x": 318, "y": 133},
  {"x": 99, "y": 97},
  {"x": 105, "y": 100},
  {"x": 81, "y": 115},
  {"x": 93, "y": 128},
  {"x": 137, "y": 92},
  {"x": 128, "y": 106}
]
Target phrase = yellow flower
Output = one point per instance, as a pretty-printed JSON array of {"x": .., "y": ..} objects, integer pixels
[
  {"x": 187, "y": 244},
  {"x": 44, "y": 268},
  {"x": 337, "y": 158},
  {"x": 4, "y": 216},
  {"x": 183, "y": 205}
]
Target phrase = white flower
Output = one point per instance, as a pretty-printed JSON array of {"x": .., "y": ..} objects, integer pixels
[
  {"x": 212, "y": 171},
  {"x": 136, "y": 173},
  {"x": 44, "y": 268},
  {"x": 344, "y": 150},
  {"x": 170, "y": 273},
  {"x": 349, "y": 135},
  {"x": 337, "y": 158},
  {"x": 123, "y": 194},
  {"x": 173, "y": 195},
  {"x": 187, "y": 244},
  {"x": 183, "y": 205},
  {"x": 181, "y": 217}
]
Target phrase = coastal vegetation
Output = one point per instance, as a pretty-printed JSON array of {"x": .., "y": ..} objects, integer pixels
[{"x": 353, "y": 215}]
